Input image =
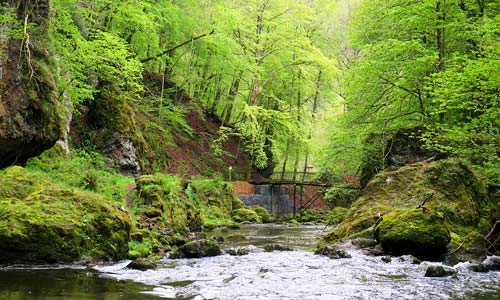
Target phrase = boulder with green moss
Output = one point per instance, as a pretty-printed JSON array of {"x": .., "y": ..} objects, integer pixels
[
  {"x": 416, "y": 232},
  {"x": 263, "y": 214},
  {"x": 197, "y": 249},
  {"x": 45, "y": 222},
  {"x": 246, "y": 215},
  {"x": 449, "y": 188},
  {"x": 167, "y": 205}
]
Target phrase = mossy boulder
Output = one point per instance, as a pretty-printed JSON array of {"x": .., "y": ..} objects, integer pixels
[
  {"x": 415, "y": 232},
  {"x": 167, "y": 205},
  {"x": 263, "y": 214},
  {"x": 246, "y": 215},
  {"x": 44, "y": 222},
  {"x": 142, "y": 264},
  {"x": 237, "y": 203},
  {"x": 197, "y": 249},
  {"x": 452, "y": 189}
]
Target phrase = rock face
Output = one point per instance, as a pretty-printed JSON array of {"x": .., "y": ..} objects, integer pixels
[
  {"x": 110, "y": 123},
  {"x": 405, "y": 148},
  {"x": 387, "y": 209},
  {"x": 30, "y": 121},
  {"x": 413, "y": 232},
  {"x": 121, "y": 153},
  {"x": 43, "y": 222}
]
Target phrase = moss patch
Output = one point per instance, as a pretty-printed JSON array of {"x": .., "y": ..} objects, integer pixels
[
  {"x": 44, "y": 222},
  {"x": 416, "y": 232},
  {"x": 246, "y": 215}
]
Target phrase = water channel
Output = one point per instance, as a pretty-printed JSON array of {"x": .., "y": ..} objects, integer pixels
[{"x": 276, "y": 275}]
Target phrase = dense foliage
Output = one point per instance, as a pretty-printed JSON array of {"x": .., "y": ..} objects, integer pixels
[
  {"x": 286, "y": 75},
  {"x": 260, "y": 66},
  {"x": 432, "y": 63}
]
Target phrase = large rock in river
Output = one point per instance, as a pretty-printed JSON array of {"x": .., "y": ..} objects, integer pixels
[
  {"x": 197, "y": 249},
  {"x": 43, "y": 222},
  {"x": 418, "y": 232},
  {"x": 450, "y": 193}
]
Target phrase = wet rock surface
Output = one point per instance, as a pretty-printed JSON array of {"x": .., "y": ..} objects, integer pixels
[
  {"x": 142, "y": 264},
  {"x": 239, "y": 251},
  {"x": 439, "y": 271},
  {"x": 332, "y": 252},
  {"x": 197, "y": 249},
  {"x": 276, "y": 247},
  {"x": 492, "y": 263}
]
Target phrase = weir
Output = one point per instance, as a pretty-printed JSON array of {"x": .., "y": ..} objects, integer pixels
[
  {"x": 283, "y": 195},
  {"x": 274, "y": 198}
]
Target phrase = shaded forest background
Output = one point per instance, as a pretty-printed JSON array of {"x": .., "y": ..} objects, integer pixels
[{"x": 300, "y": 83}]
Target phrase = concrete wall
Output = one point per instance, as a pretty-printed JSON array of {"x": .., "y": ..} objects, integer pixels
[{"x": 276, "y": 201}]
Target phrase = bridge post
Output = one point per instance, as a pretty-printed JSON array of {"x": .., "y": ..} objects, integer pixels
[
  {"x": 272, "y": 201},
  {"x": 294, "y": 200}
]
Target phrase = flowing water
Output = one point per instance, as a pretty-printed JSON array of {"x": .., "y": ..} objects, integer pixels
[{"x": 259, "y": 275}]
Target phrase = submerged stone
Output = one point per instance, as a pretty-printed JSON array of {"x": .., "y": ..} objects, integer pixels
[
  {"x": 240, "y": 251},
  {"x": 492, "y": 263},
  {"x": 479, "y": 268},
  {"x": 386, "y": 259}
]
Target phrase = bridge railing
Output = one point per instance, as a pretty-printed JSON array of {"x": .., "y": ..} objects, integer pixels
[
  {"x": 309, "y": 177},
  {"x": 292, "y": 176}
]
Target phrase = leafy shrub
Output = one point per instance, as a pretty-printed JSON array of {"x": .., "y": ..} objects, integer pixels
[{"x": 342, "y": 195}]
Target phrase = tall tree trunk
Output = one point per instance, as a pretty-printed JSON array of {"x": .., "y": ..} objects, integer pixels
[
  {"x": 285, "y": 159},
  {"x": 288, "y": 142},
  {"x": 233, "y": 92},
  {"x": 441, "y": 41},
  {"x": 440, "y": 34},
  {"x": 218, "y": 94}
]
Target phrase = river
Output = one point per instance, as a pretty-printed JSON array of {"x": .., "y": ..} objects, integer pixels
[{"x": 259, "y": 275}]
